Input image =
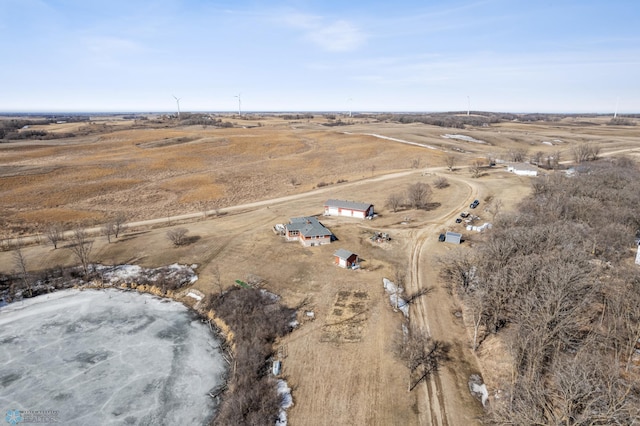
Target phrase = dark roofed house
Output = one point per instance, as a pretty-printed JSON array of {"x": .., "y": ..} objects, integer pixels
[
  {"x": 345, "y": 258},
  {"x": 308, "y": 230},
  {"x": 348, "y": 208}
]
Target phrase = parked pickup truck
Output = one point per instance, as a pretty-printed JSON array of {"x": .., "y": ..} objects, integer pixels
[{"x": 474, "y": 204}]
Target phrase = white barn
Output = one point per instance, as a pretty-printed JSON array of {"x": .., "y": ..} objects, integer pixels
[
  {"x": 523, "y": 169},
  {"x": 348, "y": 208}
]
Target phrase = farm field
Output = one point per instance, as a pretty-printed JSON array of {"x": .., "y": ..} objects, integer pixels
[{"x": 340, "y": 364}]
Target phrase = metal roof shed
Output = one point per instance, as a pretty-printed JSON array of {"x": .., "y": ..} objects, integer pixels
[{"x": 453, "y": 238}]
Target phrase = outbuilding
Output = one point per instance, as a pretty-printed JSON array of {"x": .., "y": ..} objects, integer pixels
[
  {"x": 452, "y": 237},
  {"x": 345, "y": 258},
  {"x": 348, "y": 208}
]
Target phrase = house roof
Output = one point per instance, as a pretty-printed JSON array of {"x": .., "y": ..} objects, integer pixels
[
  {"x": 308, "y": 227},
  {"x": 343, "y": 254},
  {"x": 353, "y": 205}
]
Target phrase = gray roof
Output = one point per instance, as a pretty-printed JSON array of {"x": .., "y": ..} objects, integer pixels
[
  {"x": 343, "y": 254},
  {"x": 308, "y": 226},
  {"x": 453, "y": 237},
  {"x": 353, "y": 205}
]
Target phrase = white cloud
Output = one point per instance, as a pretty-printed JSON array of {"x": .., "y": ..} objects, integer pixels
[
  {"x": 340, "y": 36},
  {"x": 333, "y": 36}
]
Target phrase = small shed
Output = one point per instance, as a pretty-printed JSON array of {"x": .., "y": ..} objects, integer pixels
[
  {"x": 345, "y": 258},
  {"x": 453, "y": 237},
  {"x": 638, "y": 256}
]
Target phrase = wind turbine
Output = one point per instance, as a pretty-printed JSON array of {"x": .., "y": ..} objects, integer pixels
[
  {"x": 468, "y": 106},
  {"x": 349, "y": 101},
  {"x": 178, "y": 103},
  {"x": 615, "y": 114},
  {"x": 239, "y": 103}
]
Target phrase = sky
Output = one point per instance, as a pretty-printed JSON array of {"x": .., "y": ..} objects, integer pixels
[{"x": 573, "y": 56}]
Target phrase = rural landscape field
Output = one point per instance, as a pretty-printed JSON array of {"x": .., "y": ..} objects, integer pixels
[{"x": 225, "y": 183}]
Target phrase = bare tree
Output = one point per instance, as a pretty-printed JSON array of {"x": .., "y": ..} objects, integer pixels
[
  {"x": 108, "y": 229},
  {"x": 415, "y": 163},
  {"x": 537, "y": 157},
  {"x": 394, "y": 201},
  {"x": 419, "y": 194},
  {"x": 20, "y": 263},
  {"x": 422, "y": 356},
  {"x": 54, "y": 235},
  {"x": 494, "y": 208},
  {"x": 178, "y": 236},
  {"x": 81, "y": 247},
  {"x": 450, "y": 161},
  {"x": 518, "y": 155},
  {"x": 441, "y": 182},
  {"x": 476, "y": 168},
  {"x": 580, "y": 153},
  {"x": 119, "y": 224},
  {"x": 294, "y": 181}
]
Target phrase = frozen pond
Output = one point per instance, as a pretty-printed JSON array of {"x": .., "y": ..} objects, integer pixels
[{"x": 108, "y": 357}]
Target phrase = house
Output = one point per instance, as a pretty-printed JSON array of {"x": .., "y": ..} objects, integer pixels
[
  {"x": 452, "y": 237},
  {"x": 523, "y": 169},
  {"x": 348, "y": 208},
  {"x": 345, "y": 259},
  {"x": 308, "y": 230}
]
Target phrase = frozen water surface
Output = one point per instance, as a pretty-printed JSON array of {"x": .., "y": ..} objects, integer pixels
[{"x": 108, "y": 357}]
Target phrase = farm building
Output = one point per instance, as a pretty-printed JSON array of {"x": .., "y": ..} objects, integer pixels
[
  {"x": 523, "y": 169},
  {"x": 453, "y": 237},
  {"x": 308, "y": 230},
  {"x": 638, "y": 256},
  {"x": 348, "y": 208},
  {"x": 345, "y": 259}
]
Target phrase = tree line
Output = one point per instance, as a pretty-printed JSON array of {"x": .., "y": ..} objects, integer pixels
[{"x": 555, "y": 281}]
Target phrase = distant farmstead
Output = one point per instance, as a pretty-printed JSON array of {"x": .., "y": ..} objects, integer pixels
[
  {"x": 308, "y": 230},
  {"x": 345, "y": 259},
  {"x": 348, "y": 208}
]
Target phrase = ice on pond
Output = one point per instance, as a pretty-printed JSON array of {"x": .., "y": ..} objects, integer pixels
[{"x": 108, "y": 357}]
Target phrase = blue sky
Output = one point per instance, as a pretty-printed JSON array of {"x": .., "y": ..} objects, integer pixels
[{"x": 430, "y": 55}]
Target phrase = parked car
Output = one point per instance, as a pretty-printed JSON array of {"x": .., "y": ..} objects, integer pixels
[
  {"x": 442, "y": 237},
  {"x": 464, "y": 214},
  {"x": 458, "y": 220},
  {"x": 474, "y": 204}
]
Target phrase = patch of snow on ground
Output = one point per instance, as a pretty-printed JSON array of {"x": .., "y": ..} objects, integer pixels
[
  {"x": 125, "y": 274},
  {"x": 463, "y": 138},
  {"x": 287, "y": 401},
  {"x": 481, "y": 389},
  {"x": 394, "y": 296},
  {"x": 375, "y": 135},
  {"x": 547, "y": 143}
]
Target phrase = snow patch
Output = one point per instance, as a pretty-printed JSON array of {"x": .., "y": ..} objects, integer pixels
[
  {"x": 287, "y": 402},
  {"x": 375, "y": 135},
  {"x": 394, "y": 296},
  {"x": 463, "y": 138}
]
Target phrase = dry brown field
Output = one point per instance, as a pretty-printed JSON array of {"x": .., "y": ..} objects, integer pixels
[{"x": 340, "y": 364}]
